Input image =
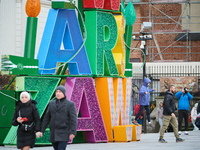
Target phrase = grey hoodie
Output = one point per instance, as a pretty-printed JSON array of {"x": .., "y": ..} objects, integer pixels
[{"x": 159, "y": 112}]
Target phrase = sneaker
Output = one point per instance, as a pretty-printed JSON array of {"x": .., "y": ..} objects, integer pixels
[
  {"x": 151, "y": 125},
  {"x": 186, "y": 133},
  {"x": 134, "y": 122},
  {"x": 162, "y": 141},
  {"x": 179, "y": 140},
  {"x": 196, "y": 129},
  {"x": 179, "y": 132}
]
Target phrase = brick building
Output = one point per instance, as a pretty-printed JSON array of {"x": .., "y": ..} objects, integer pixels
[{"x": 175, "y": 30}]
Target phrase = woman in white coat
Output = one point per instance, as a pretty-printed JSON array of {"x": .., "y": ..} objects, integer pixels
[{"x": 194, "y": 116}]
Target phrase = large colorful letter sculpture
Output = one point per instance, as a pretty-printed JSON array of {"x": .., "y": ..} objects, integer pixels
[
  {"x": 119, "y": 102},
  {"x": 103, "y": 4},
  {"x": 82, "y": 92},
  {"x": 62, "y": 26},
  {"x": 113, "y": 95},
  {"x": 102, "y": 30},
  {"x": 119, "y": 49},
  {"x": 103, "y": 107},
  {"x": 127, "y": 86}
]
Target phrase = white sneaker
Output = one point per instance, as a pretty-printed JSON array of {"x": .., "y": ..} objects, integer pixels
[
  {"x": 196, "y": 129},
  {"x": 186, "y": 133},
  {"x": 179, "y": 132},
  {"x": 150, "y": 124}
]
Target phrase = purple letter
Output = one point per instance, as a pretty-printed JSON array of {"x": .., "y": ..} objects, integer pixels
[{"x": 82, "y": 92}]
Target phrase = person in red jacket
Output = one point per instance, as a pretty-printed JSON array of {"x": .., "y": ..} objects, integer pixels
[{"x": 137, "y": 109}]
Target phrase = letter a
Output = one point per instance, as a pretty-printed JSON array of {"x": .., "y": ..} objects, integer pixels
[
  {"x": 82, "y": 92},
  {"x": 62, "y": 27}
]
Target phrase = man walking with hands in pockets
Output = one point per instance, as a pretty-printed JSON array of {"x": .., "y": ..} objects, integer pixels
[
  {"x": 62, "y": 119},
  {"x": 169, "y": 116}
]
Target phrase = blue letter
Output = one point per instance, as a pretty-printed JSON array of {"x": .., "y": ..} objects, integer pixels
[{"x": 62, "y": 26}]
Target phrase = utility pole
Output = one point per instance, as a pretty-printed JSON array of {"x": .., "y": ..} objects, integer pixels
[
  {"x": 143, "y": 38},
  {"x": 144, "y": 50},
  {"x": 144, "y": 75}
]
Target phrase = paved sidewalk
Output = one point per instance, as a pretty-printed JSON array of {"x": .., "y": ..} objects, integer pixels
[{"x": 148, "y": 141}]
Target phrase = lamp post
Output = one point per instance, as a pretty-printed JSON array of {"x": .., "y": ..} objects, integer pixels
[{"x": 143, "y": 38}]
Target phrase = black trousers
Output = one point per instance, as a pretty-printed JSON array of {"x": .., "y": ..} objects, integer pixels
[
  {"x": 141, "y": 111},
  {"x": 182, "y": 114},
  {"x": 60, "y": 145}
]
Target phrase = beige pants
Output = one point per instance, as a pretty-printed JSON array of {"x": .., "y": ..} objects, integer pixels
[{"x": 173, "y": 121}]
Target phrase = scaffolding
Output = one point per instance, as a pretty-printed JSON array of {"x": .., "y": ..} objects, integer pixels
[{"x": 174, "y": 22}]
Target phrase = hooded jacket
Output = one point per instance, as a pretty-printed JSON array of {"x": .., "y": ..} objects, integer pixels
[
  {"x": 144, "y": 98},
  {"x": 184, "y": 100},
  {"x": 159, "y": 112},
  {"x": 169, "y": 103}
]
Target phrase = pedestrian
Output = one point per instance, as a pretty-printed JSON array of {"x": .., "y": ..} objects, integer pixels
[
  {"x": 184, "y": 98},
  {"x": 169, "y": 116},
  {"x": 159, "y": 115},
  {"x": 62, "y": 119},
  {"x": 194, "y": 116},
  {"x": 198, "y": 108},
  {"x": 27, "y": 118},
  {"x": 140, "y": 119},
  {"x": 144, "y": 100}
]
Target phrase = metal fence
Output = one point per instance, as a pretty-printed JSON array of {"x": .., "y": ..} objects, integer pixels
[{"x": 137, "y": 82}]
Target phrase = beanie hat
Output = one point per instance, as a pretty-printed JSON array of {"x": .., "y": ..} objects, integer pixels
[
  {"x": 195, "y": 105},
  {"x": 61, "y": 88},
  {"x": 26, "y": 93}
]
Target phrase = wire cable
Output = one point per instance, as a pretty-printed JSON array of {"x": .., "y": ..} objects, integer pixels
[
  {"x": 133, "y": 50},
  {"x": 8, "y": 96}
]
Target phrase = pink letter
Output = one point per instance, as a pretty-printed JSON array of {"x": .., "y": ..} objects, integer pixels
[{"x": 82, "y": 92}]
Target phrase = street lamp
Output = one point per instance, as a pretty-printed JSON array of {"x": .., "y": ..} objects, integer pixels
[{"x": 143, "y": 38}]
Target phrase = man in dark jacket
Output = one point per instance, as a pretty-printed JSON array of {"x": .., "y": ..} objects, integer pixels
[
  {"x": 169, "y": 116},
  {"x": 61, "y": 114},
  {"x": 198, "y": 108}
]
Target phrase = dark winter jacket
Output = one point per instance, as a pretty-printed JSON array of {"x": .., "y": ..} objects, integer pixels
[
  {"x": 28, "y": 110},
  {"x": 198, "y": 108},
  {"x": 144, "y": 98},
  {"x": 169, "y": 104},
  {"x": 184, "y": 100},
  {"x": 62, "y": 119}
]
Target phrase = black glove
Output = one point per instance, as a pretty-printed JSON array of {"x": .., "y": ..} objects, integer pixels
[{"x": 185, "y": 89}]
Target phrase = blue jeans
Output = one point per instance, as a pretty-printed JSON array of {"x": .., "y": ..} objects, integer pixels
[
  {"x": 160, "y": 120},
  {"x": 140, "y": 121},
  {"x": 141, "y": 111},
  {"x": 60, "y": 145}
]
